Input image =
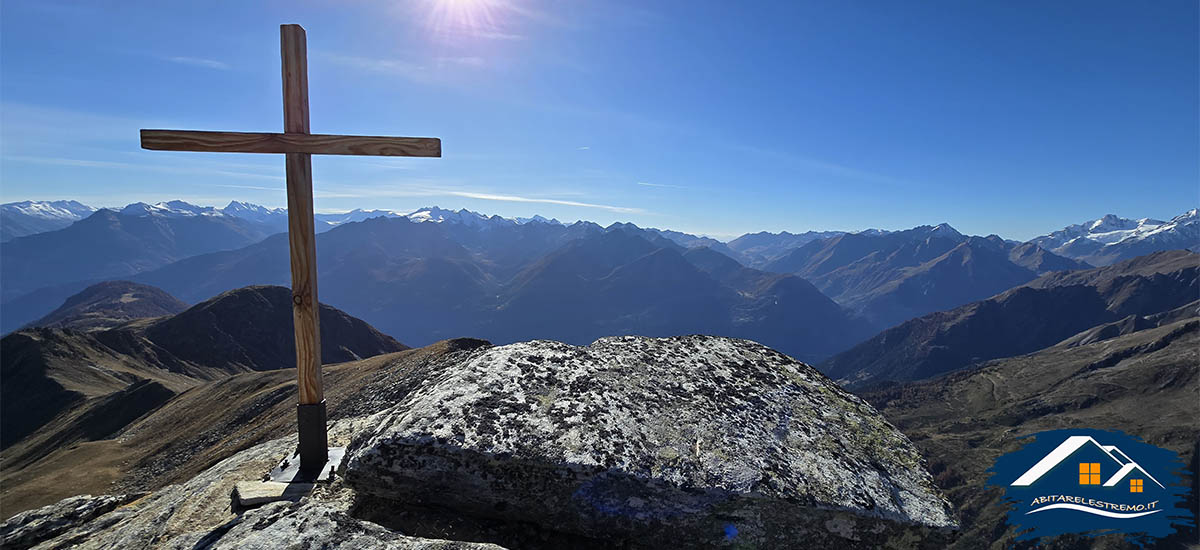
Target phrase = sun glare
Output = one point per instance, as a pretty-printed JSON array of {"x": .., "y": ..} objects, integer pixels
[{"x": 464, "y": 18}]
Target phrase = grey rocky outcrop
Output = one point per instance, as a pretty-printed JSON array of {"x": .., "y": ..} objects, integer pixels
[
  {"x": 684, "y": 441},
  {"x": 195, "y": 515},
  {"x": 33, "y": 526}
]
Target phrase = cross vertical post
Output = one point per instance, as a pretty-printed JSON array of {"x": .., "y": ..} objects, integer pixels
[
  {"x": 298, "y": 145},
  {"x": 311, "y": 413}
]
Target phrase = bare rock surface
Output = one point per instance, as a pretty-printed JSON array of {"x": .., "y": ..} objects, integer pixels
[
  {"x": 33, "y": 526},
  {"x": 196, "y": 515},
  {"x": 687, "y": 441}
]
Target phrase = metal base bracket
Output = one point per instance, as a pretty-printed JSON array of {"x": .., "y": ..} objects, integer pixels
[{"x": 288, "y": 470}]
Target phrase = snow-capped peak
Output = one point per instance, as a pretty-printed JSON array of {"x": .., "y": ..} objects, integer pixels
[
  {"x": 1192, "y": 215},
  {"x": 1111, "y": 222},
  {"x": 537, "y": 218},
  {"x": 239, "y": 207},
  {"x": 356, "y": 215},
  {"x": 1101, "y": 241},
  {"x": 170, "y": 209},
  {"x": 49, "y": 210},
  {"x": 944, "y": 230},
  {"x": 440, "y": 215},
  {"x": 254, "y": 212}
]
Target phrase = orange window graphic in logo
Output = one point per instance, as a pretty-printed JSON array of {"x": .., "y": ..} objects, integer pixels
[
  {"x": 1135, "y": 485},
  {"x": 1089, "y": 473}
]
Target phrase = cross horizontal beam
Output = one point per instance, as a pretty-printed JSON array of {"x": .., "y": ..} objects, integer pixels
[{"x": 265, "y": 142}]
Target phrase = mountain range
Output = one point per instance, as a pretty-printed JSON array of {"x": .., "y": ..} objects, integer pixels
[
  {"x": 1111, "y": 239},
  {"x": 1142, "y": 291},
  {"x": 575, "y": 283},
  {"x": 476, "y": 274},
  {"x": 894, "y": 276},
  {"x": 124, "y": 384},
  {"x": 18, "y": 219},
  {"x": 759, "y": 249}
]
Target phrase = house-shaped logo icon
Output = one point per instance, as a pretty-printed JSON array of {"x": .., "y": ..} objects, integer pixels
[
  {"x": 1092, "y": 482},
  {"x": 1090, "y": 473}
]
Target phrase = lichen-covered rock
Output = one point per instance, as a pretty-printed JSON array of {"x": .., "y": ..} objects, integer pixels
[
  {"x": 311, "y": 525},
  {"x": 196, "y": 515},
  {"x": 33, "y": 526},
  {"x": 692, "y": 441}
]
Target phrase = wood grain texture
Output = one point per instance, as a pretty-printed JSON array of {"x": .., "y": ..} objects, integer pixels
[
  {"x": 303, "y": 244},
  {"x": 302, "y": 236},
  {"x": 293, "y": 51},
  {"x": 267, "y": 142}
]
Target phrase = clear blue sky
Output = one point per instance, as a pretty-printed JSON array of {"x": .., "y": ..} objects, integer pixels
[{"x": 1014, "y": 118}]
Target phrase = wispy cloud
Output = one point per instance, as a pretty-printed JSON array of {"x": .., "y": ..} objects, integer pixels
[
  {"x": 437, "y": 70},
  {"x": 199, "y": 62},
  {"x": 466, "y": 61},
  {"x": 648, "y": 184},
  {"x": 497, "y": 35},
  {"x": 514, "y": 198},
  {"x": 394, "y": 67},
  {"x": 85, "y": 163},
  {"x": 254, "y": 187},
  {"x": 439, "y": 188},
  {"x": 583, "y": 148}
]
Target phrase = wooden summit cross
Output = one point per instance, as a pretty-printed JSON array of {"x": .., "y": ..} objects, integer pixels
[{"x": 298, "y": 145}]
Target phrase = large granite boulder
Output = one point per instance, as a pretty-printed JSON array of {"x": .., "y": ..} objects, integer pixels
[{"x": 685, "y": 441}]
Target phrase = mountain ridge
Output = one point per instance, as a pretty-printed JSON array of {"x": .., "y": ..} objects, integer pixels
[
  {"x": 48, "y": 371},
  {"x": 109, "y": 304},
  {"x": 453, "y": 280},
  {"x": 1024, "y": 319}
]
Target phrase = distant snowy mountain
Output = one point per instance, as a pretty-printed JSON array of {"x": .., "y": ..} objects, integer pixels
[
  {"x": 50, "y": 210},
  {"x": 463, "y": 216},
  {"x": 277, "y": 217},
  {"x": 356, "y": 215},
  {"x": 170, "y": 209},
  {"x": 471, "y": 219},
  {"x": 18, "y": 219},
  {"x": 537, "y": 218},
  {"x": 1111, "y": 238},
  {"x": 255, "y": 212}
]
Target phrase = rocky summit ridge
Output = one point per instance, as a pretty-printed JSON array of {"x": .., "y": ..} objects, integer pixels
[{"x": 630, "y": 442}]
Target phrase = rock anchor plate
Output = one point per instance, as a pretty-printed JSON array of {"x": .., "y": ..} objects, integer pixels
[{"x": 288, "y": 470}]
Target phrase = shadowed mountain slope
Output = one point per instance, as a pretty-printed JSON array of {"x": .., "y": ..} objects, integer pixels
[
  {"x": 1145, "y": 384},
  {"x": 51, "y": 372},
  {"x": 109, "y": 245},
  {"x": 111, "y": 303},
  {"x": 891, "y": 277},
  {"x": 190, "y": 431},
  {"x": 1021, "y": 320},
  {"x": 758, "y": 249},
  {"x": 512, "y": 282},
  {"x": 620, "y": 283}
]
